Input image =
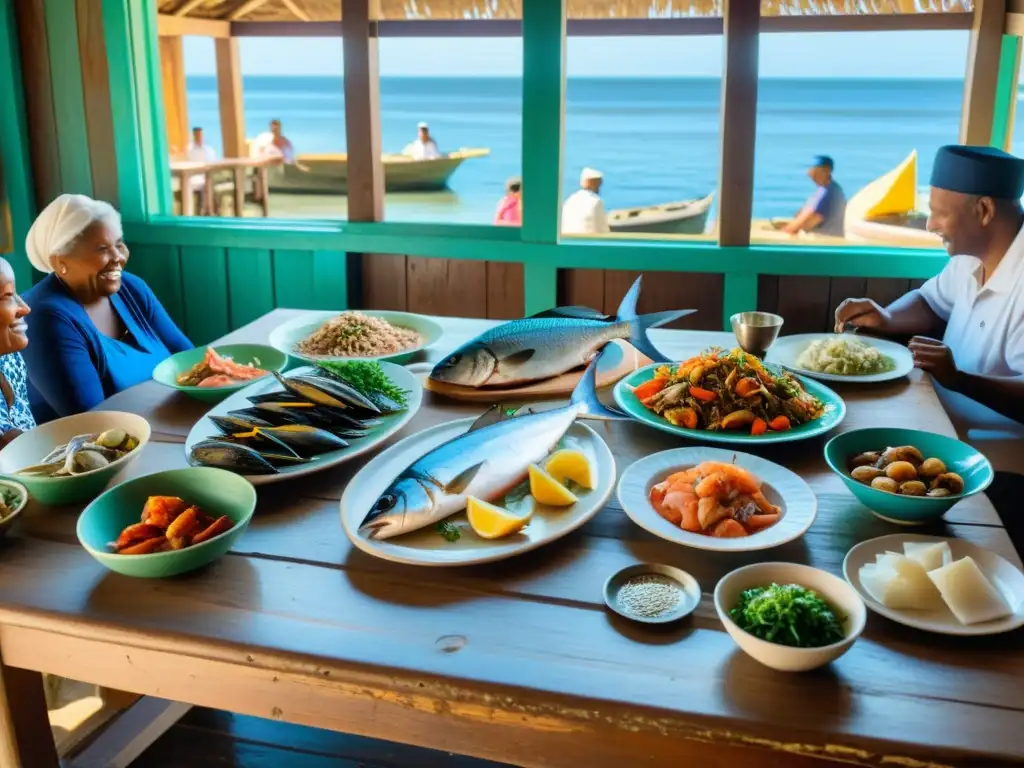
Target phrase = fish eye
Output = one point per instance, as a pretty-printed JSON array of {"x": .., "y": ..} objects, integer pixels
[
  {"x": 453, "y": 360},
  {"x": 385, "y": 502}
]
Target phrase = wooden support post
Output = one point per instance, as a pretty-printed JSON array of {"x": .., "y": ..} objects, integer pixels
[
  {"x": 172, "y": 70},
  {"x": 25, "y": 737},
  {"x": 362, "y": 113},
  {"x": 738, "y": 122},
  {"x": 980, "y": 84},
  {"x": 543, "y": 120},
  {"x": 1007, "y": 90},
  {"x": 229, "y": 97}
]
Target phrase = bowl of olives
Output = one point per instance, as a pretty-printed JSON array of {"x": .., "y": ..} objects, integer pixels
[{"x": 907, "y": 476}]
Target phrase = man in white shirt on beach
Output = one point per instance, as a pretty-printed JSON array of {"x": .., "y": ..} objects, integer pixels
[
  {"x": 583, "y": 212},
  {"x": 424, "y": 147},
  {"x": 200, "y": 152},
  {"x": 273, "y": 142},
  {"x": 976, "y": 305}
]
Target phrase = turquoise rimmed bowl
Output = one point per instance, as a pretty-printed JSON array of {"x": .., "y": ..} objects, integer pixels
[
  {"x": 260, "y": 355},
  {"x": 958, "y": 457}
]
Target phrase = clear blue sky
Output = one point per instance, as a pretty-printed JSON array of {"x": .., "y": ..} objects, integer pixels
[{"x": 832, "y": 54}]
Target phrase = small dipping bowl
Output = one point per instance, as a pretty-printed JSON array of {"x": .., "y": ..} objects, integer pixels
[
  {"x": 689, "y": 591},
  {"x": 756, "y": 331},
  {"x": 18, "y": 504}
]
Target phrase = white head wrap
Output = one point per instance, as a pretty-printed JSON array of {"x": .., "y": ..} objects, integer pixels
[
  {"x": 422, "y": 125},
  {"x": 60, "y": 224},
  {"x": 590, "y": 173}
]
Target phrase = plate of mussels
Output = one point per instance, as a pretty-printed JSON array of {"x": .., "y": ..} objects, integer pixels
[{"x": 310, "y": 419}]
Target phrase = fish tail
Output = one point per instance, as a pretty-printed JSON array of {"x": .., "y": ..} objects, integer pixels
[
  {"x": 586, "y": 399},
  {"x": 640, "y": 324}
]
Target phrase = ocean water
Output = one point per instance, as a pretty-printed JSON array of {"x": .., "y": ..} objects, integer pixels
[{"x": 655, "y": 139}]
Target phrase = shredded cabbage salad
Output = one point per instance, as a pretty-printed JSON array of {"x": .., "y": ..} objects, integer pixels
[{"x": 844, "y": 356}]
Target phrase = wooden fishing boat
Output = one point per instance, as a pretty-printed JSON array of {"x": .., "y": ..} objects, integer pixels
[
  {"x": 685, "y": 217},
  {"x": 885, "y": 211},
  {"x": 327, "y": 174}
]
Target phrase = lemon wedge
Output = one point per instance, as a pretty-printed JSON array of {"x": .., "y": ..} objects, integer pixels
[
  {"x": 546, "y": 490},
  {"x": 570, "y": 464},
  {"x": 490, "y": 521}
]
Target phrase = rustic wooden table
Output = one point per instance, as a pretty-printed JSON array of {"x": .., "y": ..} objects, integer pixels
[{"x": 516, "y": 661}]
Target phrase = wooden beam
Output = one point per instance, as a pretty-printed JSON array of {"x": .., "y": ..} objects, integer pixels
[
  {"x": 615, "y": 27},
  {"x": 172, "y": 77},
  {"x": 229, "y": 98},
  {"x": 25, "y": 738},
  {"x": 180, "y": 26},
  {"x": 981, "y": 81},
  {"x": 131, "y": 734},
  {"x": 1014, "y": 24},
  {"x": 296, "y": 11},
  {"x": 362, "y": 113},
  {"x": 188, "y": 6},
  {"x": 738, "y": 122},
  {"x": 245, "y": 9},
  {"x": 92, "y": 48},
  {"x": 543, "y": 115}
]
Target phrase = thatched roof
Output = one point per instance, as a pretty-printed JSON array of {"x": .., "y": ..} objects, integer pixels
[{"x": 329, "y": 10}]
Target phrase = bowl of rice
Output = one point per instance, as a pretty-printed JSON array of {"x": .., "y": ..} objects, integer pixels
[{"x": 355, "y": 335}]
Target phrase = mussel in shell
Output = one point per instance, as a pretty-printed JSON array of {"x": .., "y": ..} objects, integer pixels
[
  {"x": 315, "y": 416},
  {"x": 305, "y": 440},
  {"x": 259, "y": 440},
  {"x": 231, "y": 456},
  {"x": 324, "y": 391},
  {"x": 230, "y": 423},
  {"x": 83, "y": 453}
]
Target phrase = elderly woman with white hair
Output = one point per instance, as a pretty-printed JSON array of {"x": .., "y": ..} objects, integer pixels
[{"x": 95, "y": 329}]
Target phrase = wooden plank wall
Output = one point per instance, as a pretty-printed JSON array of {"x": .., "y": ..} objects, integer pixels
[
  {"x": 209, "y": 291},
  {"x": 604, "y": 288},
  {"x": 434, "y": 286},
  {"x": 808, "y": 303}
]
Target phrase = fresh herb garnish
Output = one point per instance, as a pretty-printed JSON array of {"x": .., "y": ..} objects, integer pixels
[
  {"x": 517, "y": 494},
  {"x": 788, "y": 615},
  {"x": 450, "y": 531},
  {"x": 367, "y": 377}
]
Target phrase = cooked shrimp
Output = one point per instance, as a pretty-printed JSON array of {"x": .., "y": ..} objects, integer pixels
[
  {"x": 715, "y": 485},
  {"x": 709, "y": 512},
  {"x": 764, "y": 505},
  {"x": 743, "y": 480}
]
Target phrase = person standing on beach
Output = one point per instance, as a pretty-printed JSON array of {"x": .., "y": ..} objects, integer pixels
[
  {"x": 424, "y": 147},
  {"x": 975, "y": 305},
  {"x": 583, "y": 212},
  {"x": 824, "y": 213},
  {"x": 510, "y": 208}
]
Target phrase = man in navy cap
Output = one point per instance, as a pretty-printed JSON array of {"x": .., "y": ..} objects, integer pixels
[
  {"x": 975, "y": 305},
  {"x": 824, "y": 212}
]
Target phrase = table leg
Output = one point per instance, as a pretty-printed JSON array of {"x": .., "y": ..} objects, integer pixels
[
  {"x": 25, "y": 737},
  {"x": 239, "y": 192},
  {"x": 209, "y": 201},
  {"x": 261, "y": 174},
  {"x": 187, "y": 195}
]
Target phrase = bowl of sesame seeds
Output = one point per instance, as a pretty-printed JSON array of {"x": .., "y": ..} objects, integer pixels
[{"x": 652, "y": 593}]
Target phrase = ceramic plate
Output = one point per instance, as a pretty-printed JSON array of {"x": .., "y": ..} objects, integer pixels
[
  {"x": 426, "y": 546},
  {"x": 835, "y": 410},
  {"x": 287, "y": 335},
  {"x": 787, "y": 349},
  {"x": 780, "y": 486},
  {"x": 205, "y": 428},
  {"x": 1005, "y": 577}
]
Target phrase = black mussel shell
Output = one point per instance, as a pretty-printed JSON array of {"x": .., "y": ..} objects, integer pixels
[
  {"x": 230, "y": 456},
  {"x": 322, "y": 390},
  {"x": 285, "y": 460},
  {"x": 262, "y": 441},
  {"x": 271, "y": 418},
  {"x": 232, "y": 423},
  {"x": 318, "y": 416},
  {"x": 306, "y": 440},
  {"x": 277, "y": 397}
]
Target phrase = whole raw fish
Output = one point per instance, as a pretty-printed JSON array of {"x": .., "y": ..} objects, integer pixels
[
  {"x": 549, "y": 344},
  {"x": 487, "y": 461}
]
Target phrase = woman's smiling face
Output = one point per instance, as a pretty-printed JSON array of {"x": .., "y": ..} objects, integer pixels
[
  {"x": 13, "y": 337},
  {"x": 93, "y": 267}
]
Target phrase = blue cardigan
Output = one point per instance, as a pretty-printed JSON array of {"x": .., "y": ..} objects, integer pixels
[{"x": 72, "y": 366}]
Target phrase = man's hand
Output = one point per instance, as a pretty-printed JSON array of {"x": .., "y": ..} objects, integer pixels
[
  {"x": 936, "y": 358},
  {"x": 862, "y": 313}
]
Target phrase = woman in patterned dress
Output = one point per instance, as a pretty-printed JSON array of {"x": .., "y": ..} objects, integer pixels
[{"x": 15, "y": 415}]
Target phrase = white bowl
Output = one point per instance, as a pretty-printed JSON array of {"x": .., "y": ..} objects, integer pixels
[
  {"x": 840, "y": 595},
  {"x": 30, "y": 448}
]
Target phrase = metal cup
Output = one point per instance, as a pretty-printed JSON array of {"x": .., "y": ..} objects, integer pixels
[{"x": 756, "y": 331}]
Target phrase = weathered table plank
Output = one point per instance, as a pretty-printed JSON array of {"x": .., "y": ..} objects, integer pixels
[{"x": 515, "y": 661}]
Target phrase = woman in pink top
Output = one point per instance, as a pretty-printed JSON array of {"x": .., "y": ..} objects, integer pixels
[{"x": 510, "y": 211}]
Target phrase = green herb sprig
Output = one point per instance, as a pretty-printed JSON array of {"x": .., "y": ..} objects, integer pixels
[
  {"x": 450, "y": 531},
  {"x": 367, "y": 377},
  {"x": 788, "y": 614}
]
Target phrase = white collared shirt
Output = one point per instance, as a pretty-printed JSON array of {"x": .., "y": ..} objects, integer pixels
[
  {"x": 200, "y": 154},
  {"x": 583, "y": 214},
  {"x": 985, "y": 332},
  {"x": 422, "y": 150}
]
